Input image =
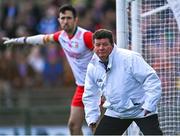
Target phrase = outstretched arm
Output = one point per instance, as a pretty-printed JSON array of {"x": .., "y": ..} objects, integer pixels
[{"x": 34, "y": 40}]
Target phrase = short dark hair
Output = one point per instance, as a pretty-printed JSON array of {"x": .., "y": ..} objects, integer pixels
[
  {"x": 69, "y": 7},
  {"x": 103, "y": 33}
]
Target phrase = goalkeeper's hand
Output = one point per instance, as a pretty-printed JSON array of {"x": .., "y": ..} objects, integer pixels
[{"x": 8, "y": 40}]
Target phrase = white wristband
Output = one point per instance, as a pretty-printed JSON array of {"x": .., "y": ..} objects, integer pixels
[{"x": 20, "y": 40}]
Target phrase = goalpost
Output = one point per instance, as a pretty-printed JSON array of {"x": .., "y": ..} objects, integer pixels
[{"x": 153, "y": 31}]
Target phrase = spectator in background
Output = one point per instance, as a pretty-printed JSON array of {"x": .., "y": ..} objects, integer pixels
[
  {"x": 8, "y": 76},
  {"x": 53, "y": 68},
  {"x": 36, "y": 59},
  {"x": 9, "y": 13},
  {"x": 32, "y": 13},
  {"x": 25, "y": 72},
  {"x": 49, "y": 23},
  {"x": 97, "y": 12},
  {"x": 2, "y": 34},
  {"x": 86, "y": 19}
]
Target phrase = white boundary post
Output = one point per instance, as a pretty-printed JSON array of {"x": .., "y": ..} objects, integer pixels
[
  {"x": 136, "y": 46},
  {"x": 136, "y": 33},
  {"x": 122, "y": 36},
  {"x": 121, "y": 24}
]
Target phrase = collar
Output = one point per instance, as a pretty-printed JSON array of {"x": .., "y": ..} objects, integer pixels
[{"x": 71, "y": 36}]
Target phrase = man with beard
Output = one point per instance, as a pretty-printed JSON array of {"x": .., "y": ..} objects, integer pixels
[{"x": 77, "y": 45}]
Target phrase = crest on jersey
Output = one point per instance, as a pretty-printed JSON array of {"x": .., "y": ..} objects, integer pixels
[{"x": 74, "y": 44}]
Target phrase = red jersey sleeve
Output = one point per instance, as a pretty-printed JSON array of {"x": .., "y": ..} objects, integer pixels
[
  {"x": 88, "y": 40},
  {"x": 56, "y": 36}
]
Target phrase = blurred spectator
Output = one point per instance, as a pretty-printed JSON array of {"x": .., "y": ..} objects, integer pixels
[
  {"x": 2, "y": 34},
  {"x": 53, "y": 68},
  {"x": 79, "y": 4},
  {"x": 9, "y": 12},
  {"x": 29, "y": 16},
  {"x": 21, "y": 30},
  {"x": 98, "y": 12},
  {"x": 49, "y": 23},
  {"x": 8, "y": 75},
  {"x": 86, "y": 20},
  {"x": 25, "y": 72},
  {"x": 8, "y": 70},
  {"x": 36, "y": 60}
]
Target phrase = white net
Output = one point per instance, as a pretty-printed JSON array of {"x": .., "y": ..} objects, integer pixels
[{"x": 161, "y": 49}]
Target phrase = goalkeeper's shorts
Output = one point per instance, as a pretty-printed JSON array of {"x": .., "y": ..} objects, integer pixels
[{"x": 77, "y": 98}]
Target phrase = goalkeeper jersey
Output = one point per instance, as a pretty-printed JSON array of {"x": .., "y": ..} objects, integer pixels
[{"x": 78, "y": 50}]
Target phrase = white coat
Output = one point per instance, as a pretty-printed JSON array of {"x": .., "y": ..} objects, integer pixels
[{"x": 129, "y": 85}]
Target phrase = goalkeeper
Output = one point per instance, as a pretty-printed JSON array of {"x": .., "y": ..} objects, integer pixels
[
  {"x": 77, "y": 45},
  {"x": 130, "y": 86}
]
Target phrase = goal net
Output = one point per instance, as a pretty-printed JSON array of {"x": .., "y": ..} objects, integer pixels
[{"x": 160, "y": 47}]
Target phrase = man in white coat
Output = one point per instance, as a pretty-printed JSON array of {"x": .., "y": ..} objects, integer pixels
[{"x": 131, "y": 87}]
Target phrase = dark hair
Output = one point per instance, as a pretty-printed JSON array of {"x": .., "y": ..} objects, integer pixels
[
  {"x": 103, "y": 33},
  {"x": 69, "y": 7}
]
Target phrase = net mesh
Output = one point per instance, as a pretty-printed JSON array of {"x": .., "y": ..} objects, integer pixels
[{"x": 161, "y": 49}]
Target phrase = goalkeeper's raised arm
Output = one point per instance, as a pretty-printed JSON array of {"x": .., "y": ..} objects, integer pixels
[{"x": 34, "y": 40}]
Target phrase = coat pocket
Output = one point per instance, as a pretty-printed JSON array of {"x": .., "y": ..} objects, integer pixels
[{"x": 122, "y": 105}]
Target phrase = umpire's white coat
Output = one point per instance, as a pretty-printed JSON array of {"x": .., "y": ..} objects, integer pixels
[{"x": 128, "y": 85}]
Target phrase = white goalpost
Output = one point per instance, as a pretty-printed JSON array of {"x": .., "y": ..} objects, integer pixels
[{"x": 153, "y": 32}]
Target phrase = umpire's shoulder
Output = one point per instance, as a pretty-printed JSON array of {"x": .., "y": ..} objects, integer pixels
[
  {"x": 128, "y": 53},
  {"x": 94, "y": 61}
]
